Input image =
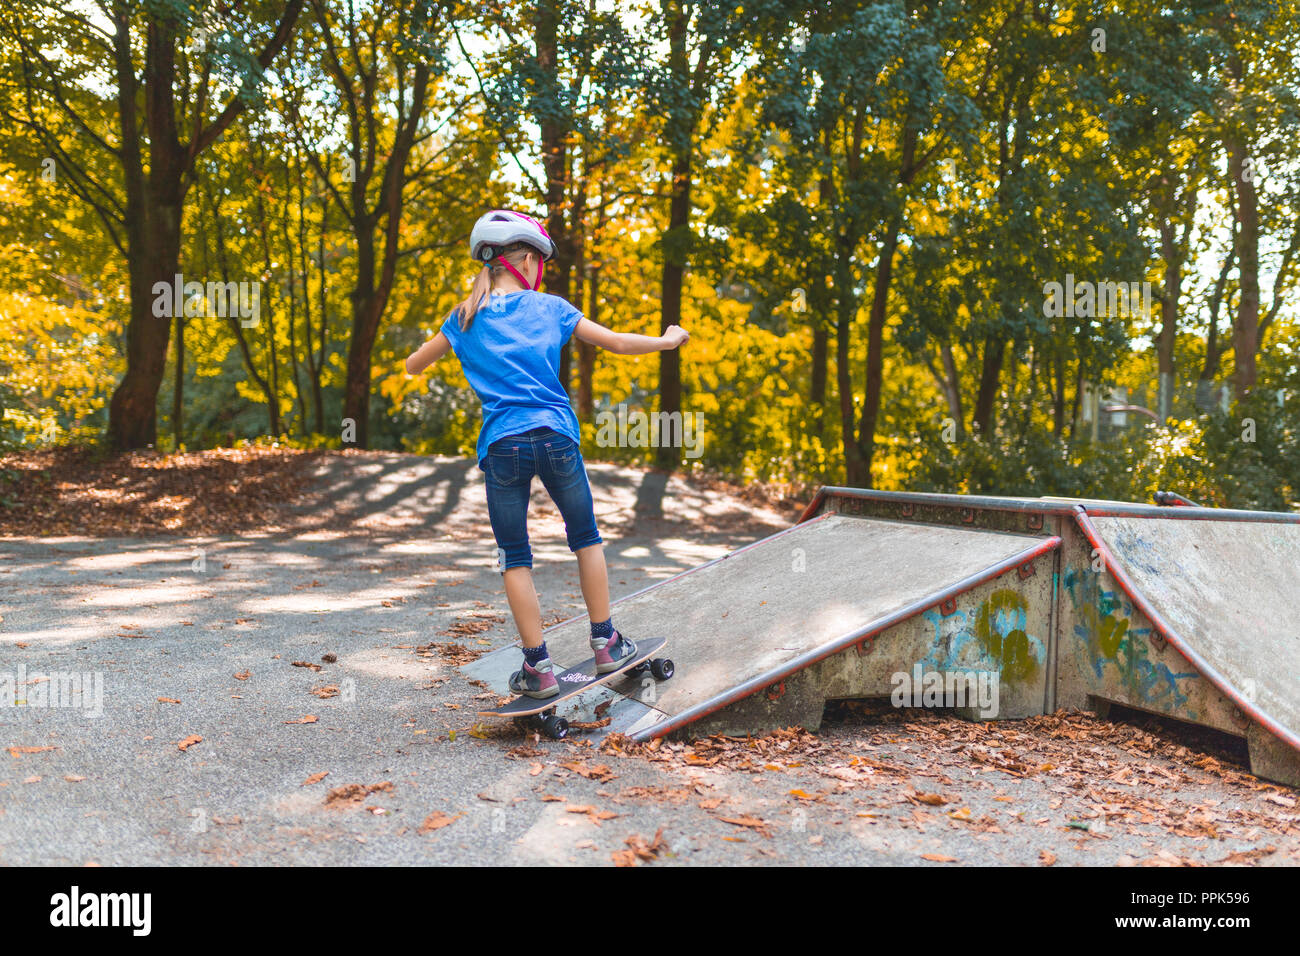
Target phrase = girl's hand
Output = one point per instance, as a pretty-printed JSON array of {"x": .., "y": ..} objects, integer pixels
[{"x": 674, "y": 336}]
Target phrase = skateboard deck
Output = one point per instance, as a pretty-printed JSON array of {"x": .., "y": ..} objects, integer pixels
[{"x": 583, "y": 677}]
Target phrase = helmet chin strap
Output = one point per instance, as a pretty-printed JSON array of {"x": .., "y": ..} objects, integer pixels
[{"x": 541, "y": 267}]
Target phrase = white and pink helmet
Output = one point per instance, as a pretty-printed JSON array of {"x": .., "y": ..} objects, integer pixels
[{"x": 497, "y": 230}]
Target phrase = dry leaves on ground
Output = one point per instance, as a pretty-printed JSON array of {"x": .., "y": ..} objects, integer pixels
[
  {"x": 599, "y": 772},
  {"x": 476, "y": 622},
  {"x": 450, "y": 652},
  {"x": 638, "y": 848},
  {"x": 352, "y": 794},
  {"x": 78, "y": 490}
]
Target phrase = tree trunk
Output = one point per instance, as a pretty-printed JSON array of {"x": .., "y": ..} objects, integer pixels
[
  {"x": 846, "y": 307},
  {"x": 876, "y": 349},
  {"x": 267, "y": 318},
  {"x": 154, "y": 227},
  {"x": 587, "y": 352},
  {"x": 1058, "y": 393},
  {"x": 317, "y": 362},
  {"x": 178, "y": 387},
  {"x": 1245, "y": 325},
  {"x": 995, "y": 351},
  {"x": 1213, "y": 350},
  {"x": 375, "y": 274},
  {"x": 155, "y": 203},
  {"x": 952, "y": 390},
  {"x": 1168, "y": 335},
  {"x": 676, "y": 240},
  {"x": 361, "y": 341}
]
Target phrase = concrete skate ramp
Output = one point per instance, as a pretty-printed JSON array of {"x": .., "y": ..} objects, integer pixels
[
  {"x": 1221, "y": 592},
  {"x": 752, "y": 617}
]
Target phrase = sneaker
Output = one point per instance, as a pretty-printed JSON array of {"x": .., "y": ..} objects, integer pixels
[
  {"x": 612, "y": 652},
  {"x": 538, "y": 682}
]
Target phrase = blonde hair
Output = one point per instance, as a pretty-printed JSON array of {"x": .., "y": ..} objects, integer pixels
[{"x": 515, "y": 254}]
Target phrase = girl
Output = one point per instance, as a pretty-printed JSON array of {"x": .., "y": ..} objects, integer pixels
[{"x": 508, "y": 336}]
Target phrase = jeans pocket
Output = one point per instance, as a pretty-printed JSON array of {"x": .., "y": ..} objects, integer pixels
[
  {"x": 563, "y": 456},
  {"x": 503, "y": 466}
]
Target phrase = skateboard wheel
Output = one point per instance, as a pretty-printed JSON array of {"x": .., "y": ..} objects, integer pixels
[
  {"x": 661, "y": 668},
  {"x": 557, "y": 728}
]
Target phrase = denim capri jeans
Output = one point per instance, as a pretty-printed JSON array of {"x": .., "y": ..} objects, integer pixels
[{"x": 508, "y": 470}]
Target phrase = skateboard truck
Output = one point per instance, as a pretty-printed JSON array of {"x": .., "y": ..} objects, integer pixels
[
  {"x": 548, "y": 722},
  {"x": 661, "y": 668}
]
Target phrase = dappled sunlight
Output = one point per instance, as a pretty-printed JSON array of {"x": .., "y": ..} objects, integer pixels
[
  {"x": 63, "y": 635},
  {"x": 396, "y": 663},
  {"x": 689, "y": 553},
  {"x": 324, "y": 601},
  {"x": 145, "y": 595}
]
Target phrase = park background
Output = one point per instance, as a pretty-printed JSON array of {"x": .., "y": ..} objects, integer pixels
[{"x": 854, "y": 207}]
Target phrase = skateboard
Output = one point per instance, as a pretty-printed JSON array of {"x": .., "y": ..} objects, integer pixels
[{"x": 540, "y": 713}]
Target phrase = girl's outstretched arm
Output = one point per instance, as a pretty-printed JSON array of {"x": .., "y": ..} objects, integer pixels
[
  {"x": 629, "y": 343},
  {"x": 427, "y": 354}
]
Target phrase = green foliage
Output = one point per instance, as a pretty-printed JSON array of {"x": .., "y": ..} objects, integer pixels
[{"x": 997, "y": 147}]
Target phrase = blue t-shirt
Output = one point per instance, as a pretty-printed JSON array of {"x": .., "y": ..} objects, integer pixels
[{"x": 511, "y": 357}]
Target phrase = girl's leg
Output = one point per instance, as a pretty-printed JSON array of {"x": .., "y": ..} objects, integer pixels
[
  {"x": 594, "y": 578},
  {"x": 524, "y": 605}
]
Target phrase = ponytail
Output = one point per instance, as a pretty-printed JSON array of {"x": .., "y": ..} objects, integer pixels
[
  {"x": 482, "y": 288},
  {"x": 514, "y": 254}
]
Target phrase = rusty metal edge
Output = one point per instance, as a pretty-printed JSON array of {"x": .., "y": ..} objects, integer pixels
[
  {"x": 756, "y": 684},
  {"x": 1035, "y": 506},
  {"x": 1083, "y": 518}
]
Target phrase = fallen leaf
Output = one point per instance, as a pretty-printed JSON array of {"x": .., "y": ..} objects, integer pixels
[
  {"x": 16, "y": 751},
  {"x": 754, "y": 823},
  {"x": 929, "y": 799},
  {"x": 436, "y": 821},
  {"x": 189, "y": 742},
  {"x": 315, "y": 778},
  {"x": 308, "y": 719}
]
